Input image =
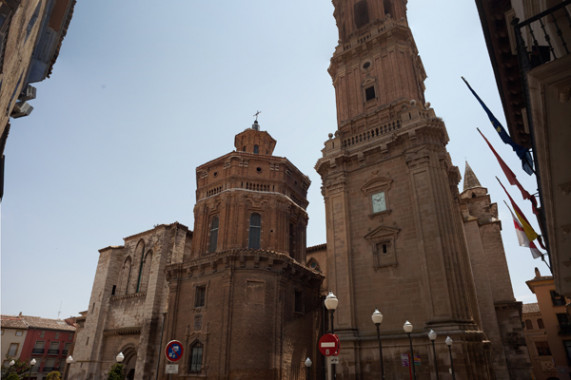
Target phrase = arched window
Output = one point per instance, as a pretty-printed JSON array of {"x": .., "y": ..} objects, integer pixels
[
  {"x": 124, "y": 276},
  {"x": 540, "y": 323},
  {"x": 213, "y": 242},
  {"x": 528, "y": 324},
  {"x": 255, "y": 231},
  {"x": 292, "y": 236},
  {"x": 139, "y": 253},
  {"x": 387, "y": 6},
  {"x": 146, "y": 271},
  {"x": 361, "y": 12},
  {"x": 195, "y": 359},
  {"x": 256, "y": 149}
]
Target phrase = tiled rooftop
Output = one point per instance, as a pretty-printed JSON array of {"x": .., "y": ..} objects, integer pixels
[{"x": 27, "y": 322}]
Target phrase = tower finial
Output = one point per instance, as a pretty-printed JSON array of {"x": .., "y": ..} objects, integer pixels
[
  {"x": 256, "y": 126},
  {"x": 470, "y": 179}
]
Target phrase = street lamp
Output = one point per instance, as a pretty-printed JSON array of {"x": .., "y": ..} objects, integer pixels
[
  {"x": 331, "y": 304},
  {"x": 377, "y": 319},
  {"x": 449, "y": 342},
  {"x": 308, "y": 364},
  {"x": 120, "y": 357},
  {"x": 407, "y": 327},
  {"x": 32, "y": 364},
  {"x": 432, "y": 337},
  {"x": 68, "y": 361}
]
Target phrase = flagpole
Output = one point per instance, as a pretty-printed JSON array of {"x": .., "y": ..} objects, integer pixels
[
  {"x": 530, "y": 245},
  {"x": 523, "y": 153},
  {"x": 547, "y": 265}
]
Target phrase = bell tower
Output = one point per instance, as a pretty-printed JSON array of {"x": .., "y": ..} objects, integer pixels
[
  {"x": 395, "y": 238},
  {"x": 376, "y": 62}
]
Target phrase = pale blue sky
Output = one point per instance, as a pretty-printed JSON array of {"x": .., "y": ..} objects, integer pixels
[{"x": 142, "y": 94}]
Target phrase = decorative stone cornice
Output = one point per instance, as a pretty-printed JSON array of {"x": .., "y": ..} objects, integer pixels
[
  {"x": 132, "y": 330},
  {"x": 238, "y": 259},
  {"x": 128, "y": 296}
]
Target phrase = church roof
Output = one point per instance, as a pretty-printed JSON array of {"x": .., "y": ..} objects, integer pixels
[{"x": 470, "y": 179}]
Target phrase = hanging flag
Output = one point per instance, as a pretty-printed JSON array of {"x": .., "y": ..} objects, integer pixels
[
  {"x": 511, "y": 176},
  {"x": 522, "y": 238},
  {"x": 527, "y": 228},
  {"x": 522, "y": 153}
]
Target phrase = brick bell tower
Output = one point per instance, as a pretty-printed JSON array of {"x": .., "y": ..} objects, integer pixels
[{"x": 395, "y": 237}]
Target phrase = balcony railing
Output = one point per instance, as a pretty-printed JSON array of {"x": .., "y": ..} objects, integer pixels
[
  {"x": 548, "y": 36},
  {"x": 38, "y": 351}
]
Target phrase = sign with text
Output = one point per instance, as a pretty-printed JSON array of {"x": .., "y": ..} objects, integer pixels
[
  {"x": 329, "y": 345},
  {"x": 171, "y": 369}
]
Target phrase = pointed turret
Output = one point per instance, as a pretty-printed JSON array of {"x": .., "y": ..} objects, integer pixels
[{"x": 470, "y": 179}]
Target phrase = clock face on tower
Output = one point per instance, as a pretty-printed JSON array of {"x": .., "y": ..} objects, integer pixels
[{"x": 379, "y": 202}]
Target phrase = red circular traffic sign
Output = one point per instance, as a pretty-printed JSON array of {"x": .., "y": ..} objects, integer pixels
[
  {"x": 174, "y": 350},
  {"x": 329, "y": 345}
]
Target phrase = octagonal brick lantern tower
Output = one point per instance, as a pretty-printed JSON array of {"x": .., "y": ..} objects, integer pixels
[{"x": 244, "y": 303}]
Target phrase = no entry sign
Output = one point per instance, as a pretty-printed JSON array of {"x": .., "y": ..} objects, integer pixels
[
  {"x": 329, "y": 345},
  {"x": 174, "y": 350}
]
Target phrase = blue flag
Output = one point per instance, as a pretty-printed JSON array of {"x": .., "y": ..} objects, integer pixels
[{"x": 522, "y": 153}]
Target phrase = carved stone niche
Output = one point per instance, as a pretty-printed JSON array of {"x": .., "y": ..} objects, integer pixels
[{"x": 382, "y": 241}]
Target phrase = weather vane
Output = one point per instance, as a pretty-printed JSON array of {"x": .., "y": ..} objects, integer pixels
[{"x": 256, "y": 114}]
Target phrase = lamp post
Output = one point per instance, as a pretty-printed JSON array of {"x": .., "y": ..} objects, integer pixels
[
  {"x": 308, "y": 364},
  {"x": 68, "y": 361},
  {"x": 11, "y": 364},
  {"x": 432, "y": 337},
  {"x": 32, "y": 364},
  {"x": 449, "y": 342},
  {"x": 377, "y": 319},
  {"x": 407, "y": 327},
  {"x": 331, "y": 304}
]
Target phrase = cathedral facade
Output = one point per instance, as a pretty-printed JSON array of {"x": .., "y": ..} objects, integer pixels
[{"x": 244, "y": 295}]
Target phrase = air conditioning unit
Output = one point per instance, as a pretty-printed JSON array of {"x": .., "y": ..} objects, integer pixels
[
  {"x": 21, "y": 109},
  {"x": 28, "y": 93}
]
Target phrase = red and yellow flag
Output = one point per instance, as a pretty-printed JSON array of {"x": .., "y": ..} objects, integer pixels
[{"x": 527, "y": 228}]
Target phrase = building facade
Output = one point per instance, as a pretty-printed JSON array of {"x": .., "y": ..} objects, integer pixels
[
  {"x": 14, "y": 331},
  {"x": 396, "y": 238},
  {"x": 528, "y": 43},
  {"x": 31, "y": 34},
  {"x": 548, "y": 330},
  {"x": 128, "y": 304},
  {"x": 46, "y": 341}
]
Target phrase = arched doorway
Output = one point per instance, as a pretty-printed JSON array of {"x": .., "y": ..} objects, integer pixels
[{"x": 130, "y": 361}]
